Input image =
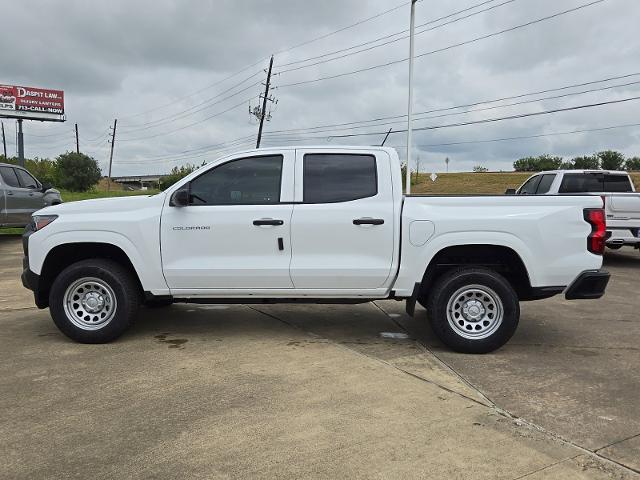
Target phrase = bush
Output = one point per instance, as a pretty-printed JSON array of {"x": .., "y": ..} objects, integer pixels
[
  {"x": 632, "y": 164},
  {"x": 77, "y": 172},
  {"x": 611, "y": 160},
  {"x": 480, "y": 169},
  {"x": 176, "y": 174}
]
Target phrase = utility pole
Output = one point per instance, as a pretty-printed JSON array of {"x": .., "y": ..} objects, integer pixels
[
  {"x": 77, "y": 140},
  {"x": 446, "y": 160},
  {"x": 113, "y": 142},
  {"x": 410, "y": 100},
  {"x": 263, "y": 113},
  {"x": 20, "y": 144},
  {"x": 4, "y": 142}
]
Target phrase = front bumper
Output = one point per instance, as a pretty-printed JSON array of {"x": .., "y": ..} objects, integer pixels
[
  {"x": 29, "y": 279},
  {"x": 590, "y": 284}
]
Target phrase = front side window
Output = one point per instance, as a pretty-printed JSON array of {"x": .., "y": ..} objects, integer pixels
[
  {"x": 617, "y": 183},
  {"x": 247, "y": 181},
  {"x": 545, "y": 183},
  {"x": 530, "y": 186},
  {"x": 9, "y": 176},
  {"x": 582, "y": 183},
  {"x": 330, "y": 178},
  {"x": 26, "y": 180}
]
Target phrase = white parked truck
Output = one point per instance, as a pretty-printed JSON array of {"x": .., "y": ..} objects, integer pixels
[
  {"x": 622, "y": 203},
  {"x": 316, "y": 225}
]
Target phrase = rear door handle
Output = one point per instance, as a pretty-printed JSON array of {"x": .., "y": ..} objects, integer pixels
[
  {"x": 368, "y": 221},
  {"x": 267, "y": 221}
]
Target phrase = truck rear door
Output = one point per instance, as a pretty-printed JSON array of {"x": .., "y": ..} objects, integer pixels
[{"x": 342, "y": 227}]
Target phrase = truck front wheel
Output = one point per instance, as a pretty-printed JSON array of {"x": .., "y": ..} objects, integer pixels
[
  {"x": 473, "y": 310},
  {"x": 94, "y": 301}
]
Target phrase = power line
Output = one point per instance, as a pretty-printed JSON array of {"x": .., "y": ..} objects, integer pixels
[
  {"x": 191, "y": 124},
  {"x": 433, "y": 127},
  {"x": 284, "y": 50},
  {"x": 525, "y": 137},
  {"x": 194, "y": 93},
  {"x": 456, "y": 107},
  {"x": 449, "y": 47},
  {"x": 487, "y": 120},
  {"x": 386, "y": 36},
  {"x": 395, "y": 40},
  {"x": 194, "y": 108},
  {"x": 494, "y": 107},
  {"x": 359, "y": 22}
]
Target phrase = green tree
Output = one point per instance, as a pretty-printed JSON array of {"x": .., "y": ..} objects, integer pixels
[
  {"x": 44, "y": 169},
  {"x": 586, "y": 162},
  {"x": 611, "y": 160},
  {"x": 537, "y": 164},
  {"x": 480, "y": 169},
  {"x": 76, "y": 171},
  {"x": 632, "y": 164},
  {"x": 176, "y": 174}
]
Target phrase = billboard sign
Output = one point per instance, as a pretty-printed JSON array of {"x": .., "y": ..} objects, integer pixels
[{"x": 31, "y": 103}]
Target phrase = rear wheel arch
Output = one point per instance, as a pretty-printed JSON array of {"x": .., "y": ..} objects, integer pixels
[
  {"x": 61, "y": 256},
  {"x": 499, "y": 258}
]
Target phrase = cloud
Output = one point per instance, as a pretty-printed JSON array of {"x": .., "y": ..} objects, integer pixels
[{"x": 118, "y": 59}]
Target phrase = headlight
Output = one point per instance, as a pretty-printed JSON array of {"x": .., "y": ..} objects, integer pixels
[{"x": 38, "y": 222}]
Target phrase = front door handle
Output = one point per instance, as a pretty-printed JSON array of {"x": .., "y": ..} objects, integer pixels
[
  {"x": 268, "y": 221},
  {"x": 368, "y": 221}
]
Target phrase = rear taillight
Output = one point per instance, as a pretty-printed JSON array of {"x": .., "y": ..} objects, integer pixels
[{"x": 596, "y": 239}]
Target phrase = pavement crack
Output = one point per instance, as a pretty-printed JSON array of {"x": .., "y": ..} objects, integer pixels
[
  {"x": 510, "y": 415},
  {"x": 444, "y": 364},
  {"x": 617, "y": 442},
  {"x": 546, "y": 467}
]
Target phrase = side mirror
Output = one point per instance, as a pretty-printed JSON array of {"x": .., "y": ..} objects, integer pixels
[
  {"x": 46, "y": 186},
  {"x": 510, "y": 191},
  {"x": 180, "y": 198}
]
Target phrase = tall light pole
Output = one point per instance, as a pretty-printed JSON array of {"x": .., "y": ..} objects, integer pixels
[{"x": 410, "y": 104}]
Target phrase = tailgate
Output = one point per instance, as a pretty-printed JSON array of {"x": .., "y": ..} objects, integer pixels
[{"x": 623, "y": 210}]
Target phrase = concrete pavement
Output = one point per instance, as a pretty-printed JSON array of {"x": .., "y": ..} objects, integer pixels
[{"x": 196, "y": 391}]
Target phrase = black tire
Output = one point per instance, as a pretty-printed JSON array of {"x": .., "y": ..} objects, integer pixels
[
  {"x": 497, "y": 333},
  {"x": 123, "y": 286}
]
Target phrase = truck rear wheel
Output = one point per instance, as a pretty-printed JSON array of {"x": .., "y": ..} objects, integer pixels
[
  {"x": 473, "y": 310},
  {"x": 94, "y": 301}
]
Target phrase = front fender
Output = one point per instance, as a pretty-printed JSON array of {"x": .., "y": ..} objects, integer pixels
[{"x": 144, "y": 258}]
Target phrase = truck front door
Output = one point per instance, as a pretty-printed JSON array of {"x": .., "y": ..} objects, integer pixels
[{"x": 235, "y": 233}]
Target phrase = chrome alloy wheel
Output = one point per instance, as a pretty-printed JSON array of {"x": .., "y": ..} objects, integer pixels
[
  {"x": 90, "y": 303},
  {"x": 475, "y": 312}
]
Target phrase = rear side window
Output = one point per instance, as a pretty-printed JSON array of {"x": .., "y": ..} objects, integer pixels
[
  {"x": 545, "y": 183},
  {"x": 26, "y": 180},
  {"x": 9, "y": 176},
  {"x": 617, "y": 183},
  {"x": 330, "y": 178},
  {"x": 530, "y": 186},
  {"x": 582, "y": 183}
]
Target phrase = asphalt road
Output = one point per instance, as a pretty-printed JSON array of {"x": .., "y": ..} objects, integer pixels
[{"x": 196, "y": 391}]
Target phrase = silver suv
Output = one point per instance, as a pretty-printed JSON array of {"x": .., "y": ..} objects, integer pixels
[{"x": 21, "y": 194}]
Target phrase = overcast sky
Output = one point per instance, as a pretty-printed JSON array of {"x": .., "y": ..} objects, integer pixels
[{"x": 160, "y": 68}]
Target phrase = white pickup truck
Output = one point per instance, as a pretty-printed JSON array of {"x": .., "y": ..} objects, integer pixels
[
  {"x": 622, "y": 203},
  {"x": 315, "y": 225}
]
